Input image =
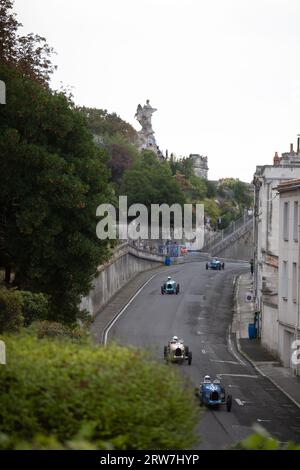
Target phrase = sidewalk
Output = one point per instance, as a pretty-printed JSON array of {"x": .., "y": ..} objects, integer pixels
[{"x": 251, "y": 349}]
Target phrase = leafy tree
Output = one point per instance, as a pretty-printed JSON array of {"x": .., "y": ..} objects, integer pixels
[
  {"x": 102, "y": 123},
  {"x": 30, "y": 54},
  {"x": 150, "y": 181},
  {"x": 122, "y": 155},
  {"x": 53, "y": 177}
]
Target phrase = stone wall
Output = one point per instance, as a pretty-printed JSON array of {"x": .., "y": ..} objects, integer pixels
[
  {"x": 125, "y": 263},
  {"x": 239, "y": 249}
]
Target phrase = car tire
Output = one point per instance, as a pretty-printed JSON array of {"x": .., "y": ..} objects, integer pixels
[
  {"x": 229, "y": 403},
  {"x": 187, "y": 351},
  {"x": 206, "y": 266},
  {"x": 190, "y": 357},
  {"x": 162, "y": 291},
  {"x": 165, "y": 351},
  {"x": 177, "y": 289}
]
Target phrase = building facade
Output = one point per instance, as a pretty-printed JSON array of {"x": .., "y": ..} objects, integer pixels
[
  {"x": 289, "y": 265},
  {"x": 266, "y": 242},
  {"x": 199, "y": 165}
]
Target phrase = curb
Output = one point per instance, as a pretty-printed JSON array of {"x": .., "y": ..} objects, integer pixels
[{"x": 238, "y": 345}]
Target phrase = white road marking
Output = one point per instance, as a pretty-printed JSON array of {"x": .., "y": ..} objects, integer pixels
[
  {"x": 231, "y": 348},
  {"x": 225, "y": 362},
  {"x": 116, "y": 318},
  {"x": 239, "y": 402},
  {"x": 247, "y": 376}
]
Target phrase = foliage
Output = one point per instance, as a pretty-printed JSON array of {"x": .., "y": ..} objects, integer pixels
[
  {"x": 150, "y": 181},
  {"x": 53, "y": 388},
  {"x": 104, "y": 124},
  {"x": 11, "y": 318},
  {"x": 30, "y": 54},
  {"x": 46, "y": 329},
  {"x": 52, "y": 180},
  {"x": 122, "y": 156},
  {"x": 262, "y": 440},
  {"x": 35, "y": 306},
  {"x": 211, "y": 209}
]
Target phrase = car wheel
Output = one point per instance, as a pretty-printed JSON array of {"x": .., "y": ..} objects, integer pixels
[
  {"x": 165, "y": 351},
  {"x": 229, "y": 403},
  {"x": 206, "y": 266},
  {"x": 162, "y": 290},
  {"x": 177, "y": 289},
  {"x": 190, "y": 358},
  {"x": 187, "y": 351}
]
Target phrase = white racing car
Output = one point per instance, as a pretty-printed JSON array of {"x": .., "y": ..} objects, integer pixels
[{"x": 176, "y": 351}]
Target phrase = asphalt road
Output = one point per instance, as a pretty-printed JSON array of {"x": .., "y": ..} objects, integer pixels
[{"x": 201, "y": 314}]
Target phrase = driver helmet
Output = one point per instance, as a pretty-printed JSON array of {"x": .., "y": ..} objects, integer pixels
[
  {"x": 175, "y": 338},
  {"x": 169, "y": 278},
  {"x": 207, "y": 379}
]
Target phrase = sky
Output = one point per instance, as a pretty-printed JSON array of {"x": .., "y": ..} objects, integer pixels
[{"x": 224, "y": 75}]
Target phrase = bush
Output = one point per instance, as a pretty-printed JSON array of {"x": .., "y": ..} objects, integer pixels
[
  {"x": 11, "y": 318},
  {"x": 44, "y": 329},
  {"x": 34, "y": 307},
  {"x": 126, "y": 400}
]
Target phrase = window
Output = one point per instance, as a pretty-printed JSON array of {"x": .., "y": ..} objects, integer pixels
[
  {"x": 294, "y": 283},
  {"x": 284, "y": 280},
  {"x": 296, "y": 221},
  {"x": 286, "y": 221}
]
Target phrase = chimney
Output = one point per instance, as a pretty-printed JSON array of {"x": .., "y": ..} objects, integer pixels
[
  {"x": 291, "y": 148},
  {"x": 298, "y": 144},
  {"x": 276, "y": 159}
]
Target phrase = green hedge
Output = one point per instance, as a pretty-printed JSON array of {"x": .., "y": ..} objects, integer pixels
[{"x": 126, "y": 400}]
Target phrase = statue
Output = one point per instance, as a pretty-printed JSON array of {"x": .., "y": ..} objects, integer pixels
[{"x": 146, "y": 134}]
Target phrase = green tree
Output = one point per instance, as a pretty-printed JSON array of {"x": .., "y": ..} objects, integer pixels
[
  {"x": 53, "y": 177},
  {"x": 150, "y": 181},
  {"x": 103, "y": 124},
  {"x": 30, "y": 54}
]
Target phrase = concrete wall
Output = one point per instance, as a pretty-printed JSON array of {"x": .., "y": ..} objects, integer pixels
[
  {"x": 125, "y": 263},
  {"x": 241, "y": 249},
  {"x": 269, "y": 328}
]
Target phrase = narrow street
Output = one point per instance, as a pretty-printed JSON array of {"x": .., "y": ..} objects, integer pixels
[{"x": 202, "y": 314}]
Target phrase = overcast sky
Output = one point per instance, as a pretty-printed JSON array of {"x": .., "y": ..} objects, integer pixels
[{"x": 223, "y": 74}]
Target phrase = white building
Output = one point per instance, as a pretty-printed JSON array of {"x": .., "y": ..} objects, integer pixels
[
  {"x": 289, "y": 265},
  {"x": 266, "y": 241}
]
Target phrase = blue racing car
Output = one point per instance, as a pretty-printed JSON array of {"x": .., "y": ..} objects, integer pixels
[
  {"x": 215, "y": 264},
  {"x": 212, "y": 394},
  {"x": 170, "y": 287}
]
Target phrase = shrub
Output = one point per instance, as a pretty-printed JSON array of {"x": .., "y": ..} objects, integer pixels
[
  {"x": 34, "y": 307},
  {"x": 11, "y": 318},
  {"x": 49, "y": 329},
  {"x": 127, "y": 400}
]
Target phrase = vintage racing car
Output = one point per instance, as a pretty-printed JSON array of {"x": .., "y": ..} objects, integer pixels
[
  {"x": 211, "y": 393},
  {"x": 176, "y": 351},
  {"x": 170, "y": 287},
  {"x": 215, "y": 264}
]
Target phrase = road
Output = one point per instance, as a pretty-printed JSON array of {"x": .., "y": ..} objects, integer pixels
[{"x": 202, "y": 315}]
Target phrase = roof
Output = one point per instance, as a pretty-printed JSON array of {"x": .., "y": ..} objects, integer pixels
[{"x": 289, "y": 185}]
